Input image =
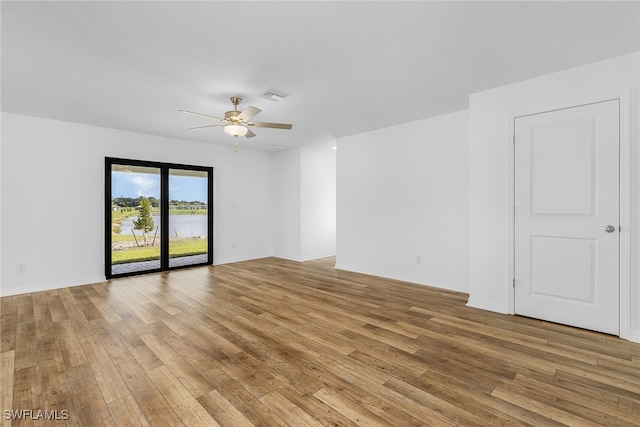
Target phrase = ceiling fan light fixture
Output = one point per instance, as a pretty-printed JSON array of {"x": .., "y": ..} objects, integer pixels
[
  {"x": 235, "y": 130},
  {"x": 235, "y": 123}
]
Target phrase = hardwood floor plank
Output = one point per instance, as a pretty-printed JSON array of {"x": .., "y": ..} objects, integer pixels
[
  {"x": 525, "y": 401},
  {"x": 384, "y": 351},
  {"x": 579, "y": 404},
  {"x": 27, "y": 391},
  {"x": 99, "y": 327},
  {"x": 69, "y": 344},
  {"x": 210, "y": 344},
  {"x": 320, "y": 411},
  {"x": 578, "y": 367},
  {"x": 81, "y": 295},
  {"x": 76, "y": 316},
  {"x": 191, "y": 379},
  {"x": 187, "y": 347},
  {"x": 576, "y": 339},
  {"x": 125, "y": 411},
  {"x": 384, "y": 366},
  {"x": 353, "y": 371},
  {"x": 457, "y": 413},
  {"x": 105, "y": 309},
  {"x": 333, "y": 340},
  {"x": 242, "y": 399},
  {"x": 349, "y": 408},
  {"x": 115, "y": 347},
  {"x": 272, "y": 342},
  {"x": 133, "y": 305},
  {"x": 27, "y": 351},
  {"x": 56, "y": 307},
  {"x": 8, "y": 323},
  {"x": 90, "y": 406},
  {"x": 172, "y": 323},
  {"x": 474, "y": 368},
  {"x": 107, "y": 376},
  {"x": 602, "y": 382},
  {"x": 41, "y": 314},
  {"x": 469, "y": 340},
  {"x": 183, "y": 402},
  {"x": 136, "y": 346},
  {"x": 474, "y": 400},
  {"x": 380, "y": 407},
  {"x": 289, "y": 412},
  {"x": 6, "y": 391},
  {"x": 223, "y": 411},
  {"x": 152, "y": 403},
  {"x": 354, "y": 382},
  {"x": 629, "y": 407},
  {"x": 625, "y": 367},
  {"x": 499, "y": 411},
  {"x": 393, "y": 339},
  {"x": 252, "y": 373},
  {"x": 56, "y": 392}
]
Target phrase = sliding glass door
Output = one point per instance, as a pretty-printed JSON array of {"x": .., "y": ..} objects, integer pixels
[
  {"x": 188, "y": 217},
  {"x": 134, "y": 222},
  {"x": 158, "y": 216}
]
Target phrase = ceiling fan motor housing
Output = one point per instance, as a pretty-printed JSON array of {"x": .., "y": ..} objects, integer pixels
[{"x": 232, "y": 116}]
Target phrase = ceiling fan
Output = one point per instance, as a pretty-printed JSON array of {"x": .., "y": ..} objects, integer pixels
[{"x": 236, "y": 123}]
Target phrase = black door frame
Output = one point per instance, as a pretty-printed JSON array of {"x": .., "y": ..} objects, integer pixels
[{"x": 164, "y": 212}]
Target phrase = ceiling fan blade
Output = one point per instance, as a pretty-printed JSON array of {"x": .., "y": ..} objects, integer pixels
[
  {"x": 202, "y": 127},
  {"x": 249, "y": 134},
  {"x": 271, "y": 125},
  {"x": 201, "y": 115},
  {"x": 248, "y": 112}
]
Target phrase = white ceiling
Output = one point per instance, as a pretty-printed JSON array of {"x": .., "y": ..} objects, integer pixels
[{"x": 350, "y": 67}]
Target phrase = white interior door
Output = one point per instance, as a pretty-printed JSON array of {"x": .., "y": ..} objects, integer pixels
[{"x": 567, "y": 241}]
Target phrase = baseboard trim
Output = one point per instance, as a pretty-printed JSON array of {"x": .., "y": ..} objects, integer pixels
[
  {"x": 51, "y": 286},
  {"x": 487, "y": 305},
  {"x": 456, "y": 287},
  {"x": 317, "y": 256},
  {"x": 222, "y": 261},
  {"x": 634, "y": 336}
]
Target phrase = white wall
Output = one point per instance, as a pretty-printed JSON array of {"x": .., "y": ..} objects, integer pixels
[
  {"x": 318, "y": 201},
  {"x": 305, "y": 195},
  {"x": 53, "y": 198},
  {"x": 286, "y": 177},
  {"x": 403, "y": 193},
  {"x": 490, "y": 173}
]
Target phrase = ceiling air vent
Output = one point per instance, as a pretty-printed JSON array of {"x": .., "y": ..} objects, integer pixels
[{"x": 274, "y": 95}]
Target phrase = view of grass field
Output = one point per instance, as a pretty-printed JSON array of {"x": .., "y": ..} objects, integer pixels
[
  {"x": 177, "y": 248},
  {"x": 131, "y": 248}
]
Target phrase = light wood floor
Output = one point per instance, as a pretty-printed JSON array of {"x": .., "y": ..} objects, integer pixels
[{"x": 278, "y": 343}]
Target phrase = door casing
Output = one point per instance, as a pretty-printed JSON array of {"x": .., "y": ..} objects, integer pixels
[
  {"x": 625, "y": 194},
  {"x": 164, "y": 195}
]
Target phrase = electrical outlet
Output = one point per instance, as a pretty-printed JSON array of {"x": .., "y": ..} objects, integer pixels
[
  {"x": 418, "y": 259},
  {"x": 233, "y": 245},
  {"x": 21, "y": 267}
]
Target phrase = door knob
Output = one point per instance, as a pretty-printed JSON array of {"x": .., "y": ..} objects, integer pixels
[{"x": 609, "y": 229}]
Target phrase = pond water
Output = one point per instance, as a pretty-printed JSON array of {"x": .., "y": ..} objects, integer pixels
[{"x": 184, "y": 225}]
